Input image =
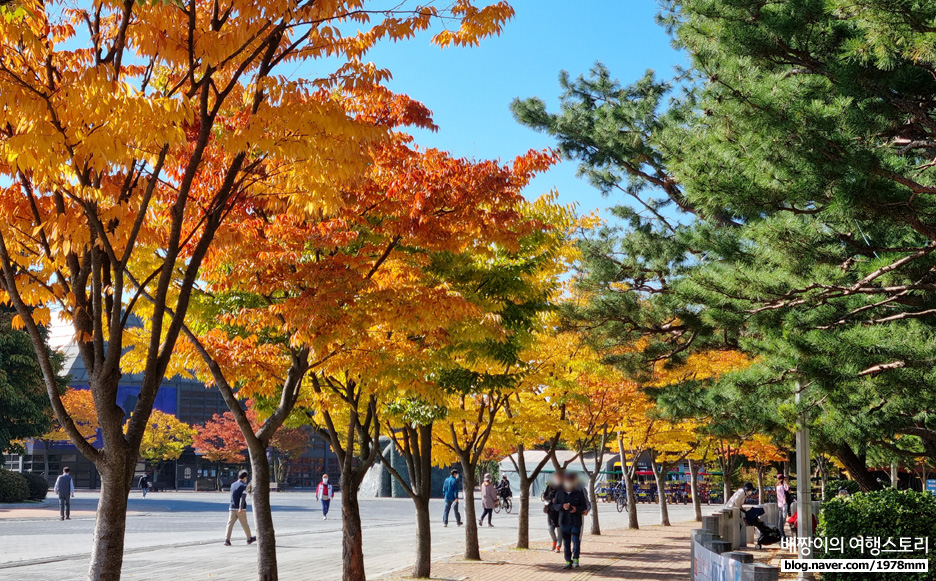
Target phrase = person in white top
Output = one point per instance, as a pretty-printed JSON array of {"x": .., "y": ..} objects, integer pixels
[
  {"x": 737, "y": 501},
  {"x": 324, "y": 493}
]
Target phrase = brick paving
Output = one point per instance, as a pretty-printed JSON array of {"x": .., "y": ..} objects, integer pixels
[{"x": 652, "y": 553}]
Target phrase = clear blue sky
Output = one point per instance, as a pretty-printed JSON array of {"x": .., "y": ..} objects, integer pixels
[{"x": 469, "y": 90}]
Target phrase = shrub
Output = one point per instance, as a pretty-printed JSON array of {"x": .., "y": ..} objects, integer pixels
[
  {"x": 832, "y": 487},
  {"x": 13, "y": 487},
  {"x": 885, "y": 514},
  {"x": 38, "y": 485}
]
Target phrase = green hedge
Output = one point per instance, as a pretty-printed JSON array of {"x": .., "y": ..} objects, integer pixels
[
  {"x": 832, "y": 487},
  {"x": 887, "y": 513},
  {"x": 13, "y": 487},
  {"x": 38, "y": 485}
]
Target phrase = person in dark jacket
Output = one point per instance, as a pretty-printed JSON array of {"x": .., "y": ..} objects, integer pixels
[
  {"x": 571, "y": 504},
  {"x": 238, "y": 508},
  {"x": 144, "y": 484},
  {"x": 552, "y": 515}
]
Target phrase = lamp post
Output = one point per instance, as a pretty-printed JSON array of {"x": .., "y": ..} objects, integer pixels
[{"x": 804, "y": 493}]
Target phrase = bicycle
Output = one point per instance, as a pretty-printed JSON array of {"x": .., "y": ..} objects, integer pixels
[
  {"x": 620, "y": 500},
  {"x": 503, "y": 502}
]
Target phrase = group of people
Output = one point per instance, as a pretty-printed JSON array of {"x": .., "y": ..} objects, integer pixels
[
  {"x": 491, "y": 494},
  {"x": 565, "y": 503},
  {"x": 786, "y": 505}
]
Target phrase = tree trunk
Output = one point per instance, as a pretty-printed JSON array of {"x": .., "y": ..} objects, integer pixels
[
  {"x": 593, "y": 498},
  {"x": 472, "y": 549},
  {"x": 111, "y": 522},
  {"x": 760, "y": 484},
  {"x": 726, "y": 479},
  {"x": 694, "y": 489},
  {"x": 893, "y": 474},
  {"x": 628, "y": 486},
  {"x": 352, "y": 546},
  {"x": 422, "y": 568},
  {"x": 523, "y": 530},
  {"x": 658, "y": 472},
  {"x": 855, "y": 465},
  {"x": 823, "y": 473},
  {"x": 263, "y": 516}
]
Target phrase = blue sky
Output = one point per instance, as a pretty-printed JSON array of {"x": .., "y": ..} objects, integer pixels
[{"x": 469, "y": 90}]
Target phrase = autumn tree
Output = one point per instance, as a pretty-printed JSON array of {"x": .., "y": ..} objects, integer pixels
[
  {"x": 517, "y": 284},
  {"x": 337, "y": 304},
  {"x": 220, "y": 440},
  {"x": 408, "y": 423},
  {"x": 164, "y": 439},
  {"x": 289, "y": 444},
  {"x": 79, "y": 403},
  {"x": 127, "y": 149},
  {"x": 761, "y": 450},
  {"x": 594, "y": 413},
  {"x": 534, "y": 414}
]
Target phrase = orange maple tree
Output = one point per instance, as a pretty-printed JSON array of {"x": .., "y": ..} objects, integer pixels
[
  {"x": 126, "y": 151},
  {"x": 220, "y": 440},
  {"x": 321, "y": 311}
]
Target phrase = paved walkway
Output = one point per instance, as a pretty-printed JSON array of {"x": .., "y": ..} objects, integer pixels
[
  {"x": 179, "y": 536},
  {"x": 651, "y": 553}
]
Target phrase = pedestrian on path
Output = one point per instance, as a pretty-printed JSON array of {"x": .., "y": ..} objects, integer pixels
[
  {"x": 488, "y": 499},
  {"x": 65, "y": 489},
  {"x": 450, "y": 493},
  {"x": 783, "y": 503},
  {"x": 238, "y": 509},
  {"x": 324, "y": 493},
  {"x": 144, "y": 484},
  {"x": 552, "y": 515},
  {"x": 571, "y": 504}
]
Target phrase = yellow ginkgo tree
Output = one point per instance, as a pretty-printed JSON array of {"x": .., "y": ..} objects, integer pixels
[{"x": 164, "y": 440}]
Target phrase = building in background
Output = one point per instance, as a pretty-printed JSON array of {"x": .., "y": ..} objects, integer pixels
[{"x": 189, "y": 400}]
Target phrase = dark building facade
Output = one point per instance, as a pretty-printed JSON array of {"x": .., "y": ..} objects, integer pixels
[{"x": 189, "y": 400}]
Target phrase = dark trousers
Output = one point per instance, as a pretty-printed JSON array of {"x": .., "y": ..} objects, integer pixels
[
  {"x": 449, "y": 504},
  {"x": 326, "y": 502},
  {"x": 65, "y": 506},
  {"x": 571, "y": 542},
  {"x": 488, "y": 512}
]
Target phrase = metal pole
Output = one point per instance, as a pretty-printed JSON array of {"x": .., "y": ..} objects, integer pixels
[{"x": 803, "y": 489}]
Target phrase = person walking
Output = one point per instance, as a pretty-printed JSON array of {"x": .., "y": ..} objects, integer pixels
[
  {"x": 571, "y": 504},
  {"x": 238, "y": 509},
  {"x": 783, "y": 503},
  {"x": 488, "y": 499},
  {"x": 144, "y": 484},
  {"x": 552, "y": 515},
  {"x": 324, "y": 493},
  {"x": 450, "y": 494},
  {"x": 65, "y": 489}
]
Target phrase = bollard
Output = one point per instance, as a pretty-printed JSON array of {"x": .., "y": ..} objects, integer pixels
[
  {"x": 760, "y": 572},
  {"x": 740, "y": 556},
  {"x": 720, "y": 547}
]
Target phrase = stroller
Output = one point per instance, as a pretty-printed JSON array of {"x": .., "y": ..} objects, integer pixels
[{"x": 767, "y": 535}]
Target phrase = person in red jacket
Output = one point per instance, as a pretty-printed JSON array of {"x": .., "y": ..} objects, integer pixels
[
  {"x": 794, "y": 520},
  {"x": 324, "y": 493}
]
